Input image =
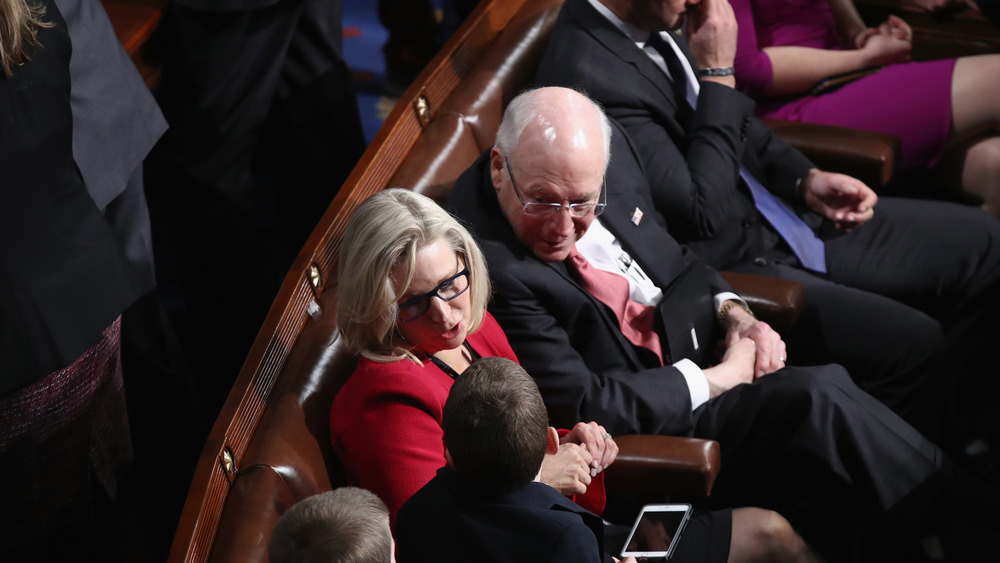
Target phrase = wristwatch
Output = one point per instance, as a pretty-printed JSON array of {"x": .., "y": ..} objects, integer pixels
[{"x": 724, "y": 71}]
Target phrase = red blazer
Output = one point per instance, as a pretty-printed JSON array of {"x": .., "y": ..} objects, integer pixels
[{"x": 385, "y": 423}]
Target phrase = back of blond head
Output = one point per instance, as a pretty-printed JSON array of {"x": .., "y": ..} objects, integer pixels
[{"x": 386, "y": 231}]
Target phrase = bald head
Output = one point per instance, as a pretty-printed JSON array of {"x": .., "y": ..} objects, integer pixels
[
  {"x": 552, "y": 147},
  {"x": 560, "y": 118}
]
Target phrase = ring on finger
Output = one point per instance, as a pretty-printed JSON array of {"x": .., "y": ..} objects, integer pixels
[{"x": 606, "y": 436}]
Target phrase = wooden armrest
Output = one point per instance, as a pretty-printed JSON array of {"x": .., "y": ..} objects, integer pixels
[
  {"x": 775, "y": 301},
  {"x": 868, "y": 156},
  {"x": 664, "y": 465}
]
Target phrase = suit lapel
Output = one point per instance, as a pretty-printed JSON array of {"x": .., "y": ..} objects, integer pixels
[
  {"x": 499, "y": 228},
  {"x": 612, "y": 38},
  {"x": 661, "y": 260}
]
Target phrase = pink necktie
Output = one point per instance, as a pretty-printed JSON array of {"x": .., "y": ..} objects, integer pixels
[{"x": 637, "y": 321}]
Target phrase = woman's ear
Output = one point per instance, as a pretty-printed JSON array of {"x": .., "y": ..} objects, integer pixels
[{"x": 552, "y": 442}]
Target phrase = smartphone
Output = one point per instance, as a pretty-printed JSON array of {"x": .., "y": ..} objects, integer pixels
[{"x": 657, "y": 531}]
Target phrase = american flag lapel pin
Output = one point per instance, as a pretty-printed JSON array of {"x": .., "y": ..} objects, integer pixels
[{"x": 636, "y": 216}]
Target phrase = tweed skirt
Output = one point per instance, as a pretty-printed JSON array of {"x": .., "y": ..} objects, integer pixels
[{"x": 62, "y": 439}]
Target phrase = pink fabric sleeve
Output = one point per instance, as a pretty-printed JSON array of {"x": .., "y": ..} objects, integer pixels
[{"x": 753, "y": 67}]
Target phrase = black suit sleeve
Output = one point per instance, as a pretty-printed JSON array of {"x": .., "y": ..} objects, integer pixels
[
  {"x": 575, "y": 544},
  {"x": 600, "y": 386}
]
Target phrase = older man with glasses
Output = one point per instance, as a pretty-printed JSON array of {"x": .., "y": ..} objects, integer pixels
[{"x": 618, "y": 323}]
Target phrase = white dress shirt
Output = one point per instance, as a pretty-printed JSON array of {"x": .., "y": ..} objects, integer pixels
[{"x": 602, "y": 250}]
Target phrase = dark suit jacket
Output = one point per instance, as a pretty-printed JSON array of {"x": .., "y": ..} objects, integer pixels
[
  {"x": 569, "y": 341},
  {"x": 694, "y": 172},
  {"x": 448, "y": 520},
  {"x": 63, "y": 277},
  {"x": 116, "y": 122}
]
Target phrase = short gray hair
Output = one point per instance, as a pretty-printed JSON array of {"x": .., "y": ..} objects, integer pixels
[{"x": 346, "y": 525}]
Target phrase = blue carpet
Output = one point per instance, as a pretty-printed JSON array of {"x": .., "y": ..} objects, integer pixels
[{"x": 363, "y": 40}]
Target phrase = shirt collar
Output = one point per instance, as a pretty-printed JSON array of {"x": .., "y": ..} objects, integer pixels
[{"x": 634, "y": 33}]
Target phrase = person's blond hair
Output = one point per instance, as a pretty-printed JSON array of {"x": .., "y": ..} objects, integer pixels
[
  {"x": 20, "y": 21},
  {"x": 388, "y": 230}
]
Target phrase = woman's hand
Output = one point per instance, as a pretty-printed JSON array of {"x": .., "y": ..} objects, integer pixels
[
  {"x": 898, "y": 28},
  {"x": 567, "y": 471},
  {"x": 596, "y": 440},
  {"x": 891, "y": 42}
]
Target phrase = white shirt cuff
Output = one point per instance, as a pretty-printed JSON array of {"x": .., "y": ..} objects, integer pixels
[
  {"x": 721, "y": 298},
  {"x": 696, "y": 382}
]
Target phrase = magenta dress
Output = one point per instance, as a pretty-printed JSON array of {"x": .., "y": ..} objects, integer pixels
[{"x": 911, "y": 100}]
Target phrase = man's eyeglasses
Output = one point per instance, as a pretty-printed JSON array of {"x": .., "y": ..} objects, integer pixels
[
  {"x": 539, "y": 209},
  {"x": 445, "y": 291}
]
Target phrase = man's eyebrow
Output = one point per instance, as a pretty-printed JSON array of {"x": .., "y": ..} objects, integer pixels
[{"x": 541, "y": 191}]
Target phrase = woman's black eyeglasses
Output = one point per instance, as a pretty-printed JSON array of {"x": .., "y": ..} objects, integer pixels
[{"x": 445, "y": 291}]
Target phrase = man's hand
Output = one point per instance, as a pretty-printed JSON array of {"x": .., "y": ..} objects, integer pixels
[
  {"x": 711, "y": 34},
  {"x": 846, "y": 201},
  {"x": 736, "y": 367},
  {"x": 596, "y": 440},
  {"x": 567, "y": 471},
  {"x": 770, "y": 348}
]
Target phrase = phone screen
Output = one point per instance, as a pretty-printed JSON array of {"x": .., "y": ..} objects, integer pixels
[{"x": 656, "y": 530}]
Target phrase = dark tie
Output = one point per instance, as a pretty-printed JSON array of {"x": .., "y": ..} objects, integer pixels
[
  {"x": 806, "y": 246},
  {"x": 637, "y": 321},
  {"x": 678, "y": 78}
]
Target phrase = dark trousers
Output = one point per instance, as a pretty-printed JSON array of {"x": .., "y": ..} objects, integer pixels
[
  {"x": 808, "y": 443},
  {"x": 264, "y": 128},
  {"x": 906, "y": 307}
]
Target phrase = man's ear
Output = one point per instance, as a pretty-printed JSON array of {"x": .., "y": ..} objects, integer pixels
[
  {"x": 447, "y": 456},
  {"x": 496, "y": 168},
  {"x": 552, "y": 441}
]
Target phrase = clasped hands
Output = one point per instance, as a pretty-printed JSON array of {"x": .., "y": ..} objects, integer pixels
[
  {"x": 584, "y": 452},
  {"x": 752, "y": 349},
  {"x": 888, "y": 43}
]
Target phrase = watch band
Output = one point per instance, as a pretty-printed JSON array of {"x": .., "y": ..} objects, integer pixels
[
  {"x": 724, "y": 71},
  {"x": 724, "y": 311}
]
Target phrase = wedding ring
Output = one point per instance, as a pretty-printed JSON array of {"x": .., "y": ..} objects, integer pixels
[{"x": 605, "y": 436}]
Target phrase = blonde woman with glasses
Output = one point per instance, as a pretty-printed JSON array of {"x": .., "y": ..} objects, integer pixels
[{"x": 412, "y": 306}]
